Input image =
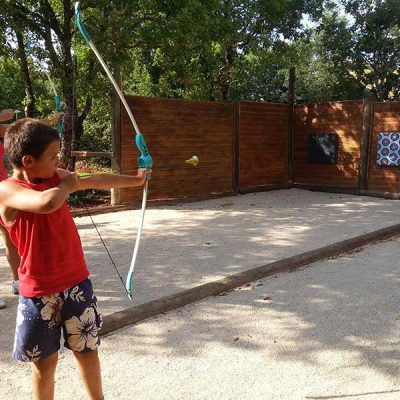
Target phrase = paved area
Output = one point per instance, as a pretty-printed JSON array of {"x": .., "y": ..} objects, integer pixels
[
  {"x": 324, "y": 332},
  {"x": 328, "y": 331}
]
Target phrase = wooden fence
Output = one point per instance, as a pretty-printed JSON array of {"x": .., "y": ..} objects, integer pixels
[
  {"x": 250, "y": 146},
  {"x": 263, "y": 144}
]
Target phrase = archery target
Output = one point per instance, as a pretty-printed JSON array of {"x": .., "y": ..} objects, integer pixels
[{"x": 388, "y": 149}]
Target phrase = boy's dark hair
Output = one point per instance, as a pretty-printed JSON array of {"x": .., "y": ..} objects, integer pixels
[{"x": 28, "y": 136}]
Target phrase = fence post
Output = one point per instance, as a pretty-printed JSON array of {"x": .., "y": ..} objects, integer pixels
[
  {"x": 290, "y": 123},
  {"x": 116, "y": 136},
  {"x": 236, "y": 148},
  {"x": 365, "y": 141}
]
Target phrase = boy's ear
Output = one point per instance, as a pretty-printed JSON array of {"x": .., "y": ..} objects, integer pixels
[{"x": 27, "y": 161}]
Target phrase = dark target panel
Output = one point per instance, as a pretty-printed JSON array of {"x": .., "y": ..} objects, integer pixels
[{"x": 323, "y": 148}]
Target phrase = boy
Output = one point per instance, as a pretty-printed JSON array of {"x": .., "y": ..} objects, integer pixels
[
  {"x": 55, "y": 290},
  {"x": 11, "y": 251}
]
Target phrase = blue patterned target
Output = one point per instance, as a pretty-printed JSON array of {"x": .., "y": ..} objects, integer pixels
[{"x": 388, "y": 149}]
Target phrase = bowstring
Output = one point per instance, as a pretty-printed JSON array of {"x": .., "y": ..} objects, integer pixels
[{"x": 105, "y": 247}]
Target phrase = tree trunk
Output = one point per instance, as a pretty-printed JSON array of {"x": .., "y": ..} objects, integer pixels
[
  {"x": 26, "y": 79},
  {"x": 66, "y": 160},
  {"x": 224, "y": 76}
]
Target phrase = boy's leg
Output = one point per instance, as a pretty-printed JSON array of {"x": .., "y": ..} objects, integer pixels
[
  {"x": 43, "y": 372},
  {"x": 82, "y": 321},
  {"x": 89, "y": 369},
  {"x": 37, "y": 340}
]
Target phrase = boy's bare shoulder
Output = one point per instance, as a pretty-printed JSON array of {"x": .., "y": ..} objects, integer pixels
[
  {"x": 8, "y": 184},
  {"x": 8, "y": 190},
  {"x": 7, "y": 187}
]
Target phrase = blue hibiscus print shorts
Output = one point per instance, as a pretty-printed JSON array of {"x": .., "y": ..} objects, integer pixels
[{"x": 40, "y": 321}]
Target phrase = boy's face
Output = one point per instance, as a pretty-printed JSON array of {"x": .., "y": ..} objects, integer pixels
[{"x": 47, "y": 164}]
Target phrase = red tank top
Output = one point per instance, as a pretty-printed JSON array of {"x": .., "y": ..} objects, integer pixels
[{"x": 51, "y": 252}]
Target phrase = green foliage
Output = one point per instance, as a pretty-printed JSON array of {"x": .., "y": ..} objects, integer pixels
[
  {"x": 319, "y": 78},
  {"x": 363, "y": 46},
  {"x": 215, "y": 50},
  {"x": 12, "y": 91},
  {"x": 97, "y": 127},
  {"x": 261, "y": 76}
]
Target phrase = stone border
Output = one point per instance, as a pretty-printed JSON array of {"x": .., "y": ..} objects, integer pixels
[{"x": 132, "y": 315}]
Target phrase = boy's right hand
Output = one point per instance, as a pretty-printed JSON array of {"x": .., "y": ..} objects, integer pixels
[{"x": 70, "y": 182}]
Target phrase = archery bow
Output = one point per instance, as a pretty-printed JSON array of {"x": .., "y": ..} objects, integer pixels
[{"x": 144, "y": 160}]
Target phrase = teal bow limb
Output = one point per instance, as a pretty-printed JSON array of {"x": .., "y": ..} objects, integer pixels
[
  {"x": 145, "y": 160},
  {"x": 79, "y": 23},
  {"x": 130, "y": 276}
]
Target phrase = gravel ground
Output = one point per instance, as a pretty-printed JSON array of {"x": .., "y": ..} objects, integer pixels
[{"x": 324, "y": 332}]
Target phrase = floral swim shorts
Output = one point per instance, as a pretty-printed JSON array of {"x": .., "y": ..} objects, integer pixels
[{"x": 40, "y": 321}]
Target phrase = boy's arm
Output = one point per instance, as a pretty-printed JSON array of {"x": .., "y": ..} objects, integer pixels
[
  {"x": 108, "y": 181},
  {"x": 15, "y": 197}
]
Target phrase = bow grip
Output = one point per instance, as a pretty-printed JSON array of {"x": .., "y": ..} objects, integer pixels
[{"x": 145, "y": 160}]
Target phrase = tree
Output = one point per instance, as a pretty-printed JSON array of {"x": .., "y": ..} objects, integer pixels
[
  {"x": 363, "y": 45},
  {"x": 318, "y": 77},
  {"x": 207, "y": 50}
]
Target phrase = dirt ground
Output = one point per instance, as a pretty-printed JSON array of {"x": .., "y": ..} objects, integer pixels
[{"x": 327, "y": 331}]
